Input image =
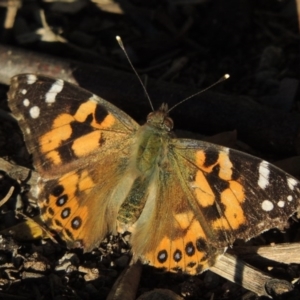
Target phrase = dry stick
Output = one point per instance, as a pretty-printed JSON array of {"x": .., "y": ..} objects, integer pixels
[
  {"x": 8, "y": 195},
  {"x": 19, "y": 173},
  {"x": 235, "y": 270},
  {"x": 12, "y": 9},
  {"x": 286, "y": 253}
]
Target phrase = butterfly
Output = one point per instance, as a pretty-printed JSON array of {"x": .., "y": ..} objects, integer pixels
[{"x": 183, "y": 200}]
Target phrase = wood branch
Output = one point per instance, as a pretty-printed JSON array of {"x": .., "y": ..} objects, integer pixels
[
  {"x": 19, "y": 173},
  {"x": 286, "y": 253},
  {"x": 235, "y": 270},
  {"x": 260, "y": 127}
]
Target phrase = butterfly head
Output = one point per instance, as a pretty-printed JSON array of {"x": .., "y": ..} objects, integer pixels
[{"x": 160, "y": 118}]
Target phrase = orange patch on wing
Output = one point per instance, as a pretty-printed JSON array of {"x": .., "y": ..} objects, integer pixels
[
  {"x": 61, "y": 131},
  {"x": 237, "y": 190},
  {"x": 54, "y": 157},
  {"x": 184, "y": 219},
  {"x": 203, "y": 191},
  {"x": 86, "y": 182},
  {"x": 53, "y": 139},
  {"x": 234, "y": 216},
  {"x": 86, "y": 144},
  {"x": 69, "y": 181},
  {"x": 195, "y": 231},
  {"x": 84, "y": 110},
  {"x": 223, "y": 160},
  {"x": 200, "y": 160},
  {"x": 88, "y": 108},
  {"x": 62, "y": 120},
  {"x": 106, "y": 123}
]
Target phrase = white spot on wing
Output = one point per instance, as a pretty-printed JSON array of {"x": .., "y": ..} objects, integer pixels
[
  {"x": 28, "y": 131},
  {"x": 162, "y": 256},
  {"x": 264, "y": 172},
  {"x": 281, "y": 203},
  {"x": 267, "y": 205},
  {"x": 289, "y": 198},
  {"x": 291, "y": 183},
  {"x": 24, "y": 91},
  {"x": 56, "y": 88},
  {"x": 26, "y": 102},
  {"x": 34, "y": 112},
  {"x": 31, "y": 78}
]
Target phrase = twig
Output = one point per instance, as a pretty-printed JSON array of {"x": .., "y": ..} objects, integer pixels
[
  {"x": 12, "y": 9},
  {"x": 8, "y": 195}
]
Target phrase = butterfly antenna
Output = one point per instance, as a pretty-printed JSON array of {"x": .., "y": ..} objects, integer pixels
[
  {"x": 223, "y": 78},
  {"x": 119, "y": 40}
]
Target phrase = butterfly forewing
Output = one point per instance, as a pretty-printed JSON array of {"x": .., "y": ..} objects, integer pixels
[
  {"x": 240, "y": 195},
  {"x": 63, "y": 123}
]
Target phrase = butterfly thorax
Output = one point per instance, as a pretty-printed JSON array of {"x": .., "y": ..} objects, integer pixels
[{"x": 152, "y": 140}]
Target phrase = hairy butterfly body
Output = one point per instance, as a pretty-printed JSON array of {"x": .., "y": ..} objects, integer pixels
[{"x": 183, "y": 200}]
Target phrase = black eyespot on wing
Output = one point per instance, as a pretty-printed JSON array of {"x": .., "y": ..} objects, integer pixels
[
  {"x": 189, "y": 249},
  {"x": 199, "y": 269},
  {"x": 58, "y": 223},
  {"x": 201, "y": 245},
  {"x": 50, "y": 211},
  {"x": 57, "y": 190},
  {"x": 162, "y": 256},
  {"x": 65, "y": 213},
  {"x": 191, "y": 264},
  {"x": 62, "y": 200},
  {"x": 69, "y": 234},
  {"x": 177, "y": 256},
  {"x": 76, "y": 223}
]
